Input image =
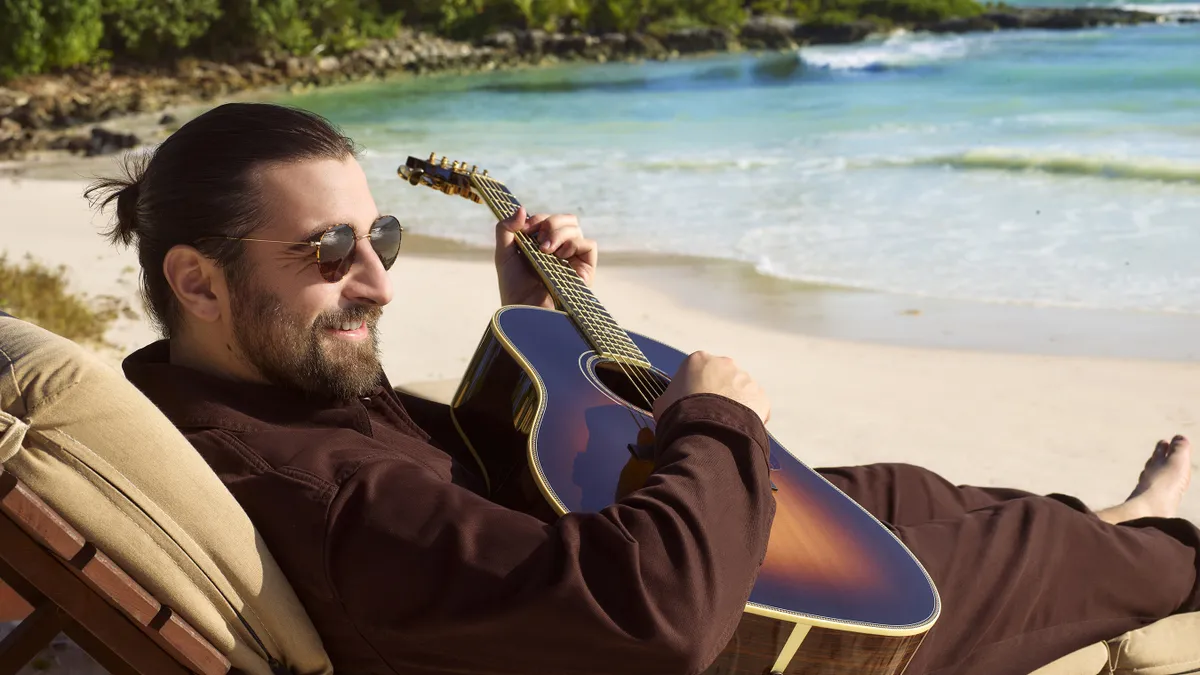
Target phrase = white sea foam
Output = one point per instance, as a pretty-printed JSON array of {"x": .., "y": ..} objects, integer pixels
[
  {"x": 897, "y": 51},
  {"x": 1167, "y": 8}
]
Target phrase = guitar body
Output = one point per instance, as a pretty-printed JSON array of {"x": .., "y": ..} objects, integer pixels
[{"x": 837, "y": 593}]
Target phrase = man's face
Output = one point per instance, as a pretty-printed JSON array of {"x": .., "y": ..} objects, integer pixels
[{"x": 293, "y": 326}]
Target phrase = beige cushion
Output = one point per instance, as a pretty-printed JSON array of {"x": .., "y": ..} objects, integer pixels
[
  {"x": 1167, "y": 647},
  {"x": 441, "y": 391},
  {"x": 96, "y": 450},
  {"x": 1091, "y": 660}
]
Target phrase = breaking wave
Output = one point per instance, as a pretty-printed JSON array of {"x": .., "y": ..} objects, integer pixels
[
  {"x": 1127, "y": 168},
  {"x": 902, "y": 50}
]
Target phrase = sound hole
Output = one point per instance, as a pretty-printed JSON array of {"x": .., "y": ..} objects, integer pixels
[{"x": 635, "y": 385}]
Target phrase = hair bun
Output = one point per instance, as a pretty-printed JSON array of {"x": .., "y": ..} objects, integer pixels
[{"x": 127, "y": 211}]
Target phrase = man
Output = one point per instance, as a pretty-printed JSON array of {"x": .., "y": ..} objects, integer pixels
[{"x": 264, "y": 260}]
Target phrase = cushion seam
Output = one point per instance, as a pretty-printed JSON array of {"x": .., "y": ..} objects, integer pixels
[{"x": 151, "y": 519}]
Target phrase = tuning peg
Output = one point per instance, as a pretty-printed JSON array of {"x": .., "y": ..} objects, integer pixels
[
  {"x": 445, "y": 162},
  {"x": 485, "y": 172},
  {"x": 473, "y": 167},
  {"x": 433, "y": 158}
]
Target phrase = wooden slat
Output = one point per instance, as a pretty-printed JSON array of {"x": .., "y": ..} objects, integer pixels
[
  {"x": 34, "y": 633},
  {"x": 64, "y": 588},
  {"x": 99, "y": 573},
  {"x": 43, "y": 522},
  {"x": 18, "y": 583}
]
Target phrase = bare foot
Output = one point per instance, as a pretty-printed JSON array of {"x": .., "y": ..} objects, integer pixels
[{"x": 1161, "y": 486}]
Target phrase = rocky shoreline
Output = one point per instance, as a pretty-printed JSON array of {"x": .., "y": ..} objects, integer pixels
[{"x": 59, "y": 113}]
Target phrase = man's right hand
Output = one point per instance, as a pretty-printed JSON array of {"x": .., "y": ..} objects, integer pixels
[{"x": 704, "y": 373}]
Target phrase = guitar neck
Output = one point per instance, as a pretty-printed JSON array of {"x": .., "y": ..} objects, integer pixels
[{"x": 563, "y": 283}]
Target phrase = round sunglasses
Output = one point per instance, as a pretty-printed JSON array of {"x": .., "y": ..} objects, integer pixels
[{"x": 337, "y": 245}]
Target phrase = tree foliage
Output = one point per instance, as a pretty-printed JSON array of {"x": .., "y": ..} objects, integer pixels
[{"x": 41, "y": 35}]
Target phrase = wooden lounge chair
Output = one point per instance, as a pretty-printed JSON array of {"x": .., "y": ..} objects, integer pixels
[
  {"x": 77, "y": 590},
  {"x": 119, "y": 535}
]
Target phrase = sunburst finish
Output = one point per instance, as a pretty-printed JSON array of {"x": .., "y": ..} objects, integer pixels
[{"x": 837, "y": 592}]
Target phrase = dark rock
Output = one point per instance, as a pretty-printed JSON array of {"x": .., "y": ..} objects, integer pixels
[
  {"x": 1005, "y": 20},
  {"x": 645, "y": 46},
  {"x": 503, "y": 40},
  {"x": 532, "y": 42},
  {"x": 573, "y": 45},
  {"x": 834, "y": 33},
  {"x": 614, "y": 40},
  {"x": 1188, "y": 19},
  {"x": 103, "y": 142},
  {"x": 971, "y": 24},
  {"x": 695, "y": 40},
  {"x": 168, "y": 119},
  {"x": 10, "y": 101},
  {"x": 1074, "y": 18},
  {"x": 769, "y": 32}
]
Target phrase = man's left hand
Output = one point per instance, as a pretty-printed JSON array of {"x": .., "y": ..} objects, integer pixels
[{"x": 559, "y": 235}]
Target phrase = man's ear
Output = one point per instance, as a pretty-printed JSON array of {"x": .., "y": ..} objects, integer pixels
[{"x": 196, "y": 282}]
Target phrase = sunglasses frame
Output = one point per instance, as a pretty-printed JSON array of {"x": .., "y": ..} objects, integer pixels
[{"x": 320, "y": 240}]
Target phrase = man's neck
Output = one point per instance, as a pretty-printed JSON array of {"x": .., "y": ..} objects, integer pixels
[{"x": 212, "y": 355}]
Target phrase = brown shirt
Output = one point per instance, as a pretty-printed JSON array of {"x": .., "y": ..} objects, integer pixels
[{"x": 380, "y": 521}]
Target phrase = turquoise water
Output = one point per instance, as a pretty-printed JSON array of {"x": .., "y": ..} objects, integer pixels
[{"x": 1029, "y": 167}]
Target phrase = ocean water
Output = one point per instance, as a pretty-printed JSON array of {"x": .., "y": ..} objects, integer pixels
[{"x": 1039, "y": 168}]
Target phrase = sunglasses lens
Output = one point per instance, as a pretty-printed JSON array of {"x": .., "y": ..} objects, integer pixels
[
  {"x": 385, "y": 239},
  {"x": 336, "y": 253}
]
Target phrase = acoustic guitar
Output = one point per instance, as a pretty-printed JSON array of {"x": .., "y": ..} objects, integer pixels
[{"x": 555, "y": 405}]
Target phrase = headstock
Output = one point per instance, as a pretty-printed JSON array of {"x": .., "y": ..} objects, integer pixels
[{"x": 452, "y": 178}]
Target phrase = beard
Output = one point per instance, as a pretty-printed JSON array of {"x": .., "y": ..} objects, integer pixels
[{"x": 289, "y": 351}]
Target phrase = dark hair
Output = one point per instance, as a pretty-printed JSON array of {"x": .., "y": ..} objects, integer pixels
[{"x": 200, "y": 182}]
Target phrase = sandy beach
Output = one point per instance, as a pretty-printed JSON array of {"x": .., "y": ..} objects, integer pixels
[{"x": 1045, "y": 423}]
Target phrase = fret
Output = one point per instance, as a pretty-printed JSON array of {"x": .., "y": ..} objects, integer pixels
[{"x": 569, "y": 290}]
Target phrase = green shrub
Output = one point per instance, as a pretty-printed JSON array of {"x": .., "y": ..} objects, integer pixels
[
  {"x": 73, "y": 32},
  {"x": 153, "y": 29},
  {"x": 21, "y": 29},
  {"x": 40, "y": 35},
  {"x": 38, "y": 294}
]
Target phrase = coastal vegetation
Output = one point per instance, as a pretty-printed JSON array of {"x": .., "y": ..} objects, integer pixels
[
  {"x": 39, "y": 36},
  {"x": 39, "y": 294}
]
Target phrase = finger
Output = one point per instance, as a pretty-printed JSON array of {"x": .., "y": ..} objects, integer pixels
[
  {"x": 587, "y": 252},
  {"x": 506, "y": 228},
  {"x": 566, "y": 250},
  {"x": 505, "y": 238},
  {"x": 547, "y": 227},
  {"x": 553, "y": 239}
]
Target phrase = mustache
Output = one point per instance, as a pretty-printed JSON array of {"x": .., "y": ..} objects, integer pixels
[{"x": 364, "y": 313}]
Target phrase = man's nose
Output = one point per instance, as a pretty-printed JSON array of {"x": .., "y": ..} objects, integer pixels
[{"x": 368, "y": 281}]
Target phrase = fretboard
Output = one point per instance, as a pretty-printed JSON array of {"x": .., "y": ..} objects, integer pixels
[{"x": 565, "y": 285}]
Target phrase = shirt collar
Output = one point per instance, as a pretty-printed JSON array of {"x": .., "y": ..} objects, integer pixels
[{"x": 191, "y": 398}]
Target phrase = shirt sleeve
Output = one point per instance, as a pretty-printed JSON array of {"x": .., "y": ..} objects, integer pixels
[{"x": 437, "y": 578}]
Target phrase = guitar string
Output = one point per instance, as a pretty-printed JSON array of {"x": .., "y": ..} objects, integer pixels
[
  {"x": 500, "y": 199},
  {"x": 637, "y": 366},
  {"x": 631, "y": 372},
  {"x": 603, "y": 325},
  {"x": 588, "y": 307},
  {"x": 588, "y": 324},
  {"x": 631, "y": 351},
  {"x": 646, "y": 387},
  {"x": 588, "y": 299}
]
